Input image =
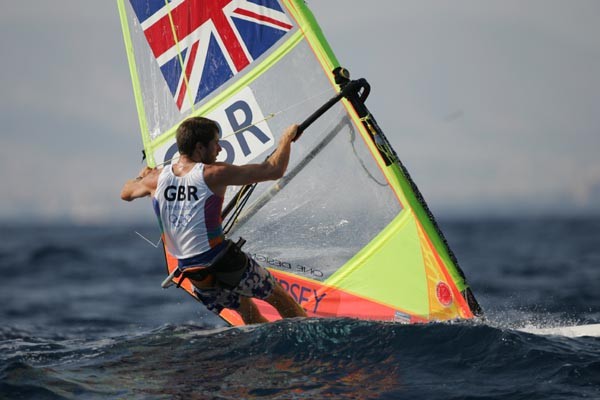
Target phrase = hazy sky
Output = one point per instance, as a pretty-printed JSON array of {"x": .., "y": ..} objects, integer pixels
[{"x": 493, "y": 106}]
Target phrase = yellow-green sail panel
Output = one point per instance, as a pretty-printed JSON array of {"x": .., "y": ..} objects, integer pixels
[{"x": 390, "y": 269}]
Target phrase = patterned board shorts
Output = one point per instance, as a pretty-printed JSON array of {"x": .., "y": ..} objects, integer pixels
[{"x": 256, "y": 282}]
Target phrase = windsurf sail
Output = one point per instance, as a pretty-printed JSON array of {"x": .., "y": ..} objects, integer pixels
[{"x": 346, "y": 231}]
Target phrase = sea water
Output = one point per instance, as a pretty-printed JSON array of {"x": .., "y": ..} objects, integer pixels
[{"x": 84, "y": 317}]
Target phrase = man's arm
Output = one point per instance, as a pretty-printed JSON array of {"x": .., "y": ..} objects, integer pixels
[
  {"x": 220, "y": 175},
  {"x": 142, "y": 186}
]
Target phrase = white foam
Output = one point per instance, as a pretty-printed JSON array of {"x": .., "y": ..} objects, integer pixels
[{"x": 568, "y": 331}]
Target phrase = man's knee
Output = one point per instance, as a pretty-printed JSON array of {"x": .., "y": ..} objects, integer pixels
[
  {"x": 284, "y": 303},
  {"x": 279, "y": 294}
]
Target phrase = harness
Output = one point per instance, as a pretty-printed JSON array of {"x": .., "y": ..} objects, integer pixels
[{"x": 225, "y": 270}]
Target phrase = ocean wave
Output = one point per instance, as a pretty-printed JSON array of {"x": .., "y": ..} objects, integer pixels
[{"x": 314, "y": 358}]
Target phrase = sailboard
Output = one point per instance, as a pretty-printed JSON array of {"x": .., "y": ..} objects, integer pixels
[{"x": 345, "y": 231}]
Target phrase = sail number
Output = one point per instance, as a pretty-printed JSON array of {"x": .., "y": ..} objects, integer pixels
[{"x": 244, "y": 133}]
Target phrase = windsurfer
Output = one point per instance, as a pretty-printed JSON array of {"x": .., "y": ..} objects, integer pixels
[{"x": 188, "y": 197}]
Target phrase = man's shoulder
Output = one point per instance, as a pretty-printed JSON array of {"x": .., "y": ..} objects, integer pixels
[
  {"x": 218, "y": 164},
  {"x": 157, "y": 172},
  {"x": 221, "y": 173},
  {"x": 151, "y": 179},
  {"x": 218, "y": 167},
  {"x": 215, "y": 176}
]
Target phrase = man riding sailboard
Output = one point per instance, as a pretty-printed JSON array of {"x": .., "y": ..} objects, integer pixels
[
  {"x": 360, "y": 241},
  {"x": 188, "y": 196}
]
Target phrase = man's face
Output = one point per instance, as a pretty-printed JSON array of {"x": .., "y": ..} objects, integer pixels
[{"x": 209, "y": 153}]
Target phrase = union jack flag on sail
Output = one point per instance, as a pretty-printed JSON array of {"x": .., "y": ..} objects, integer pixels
[{"x": 201, "y": 44}]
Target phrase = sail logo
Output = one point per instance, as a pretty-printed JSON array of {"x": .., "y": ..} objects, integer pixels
[
  {"x": 285, "y": 265},
  {"x": 401, "y": 317},
  {"x": 245, "y": 135},
  {"x": 201, "y": 44},
  {"x": 444, "y": 294},
  {"x": 302, "y": 294}
]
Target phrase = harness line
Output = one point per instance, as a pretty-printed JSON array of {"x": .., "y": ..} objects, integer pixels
[{"x": 268, "y": 117}]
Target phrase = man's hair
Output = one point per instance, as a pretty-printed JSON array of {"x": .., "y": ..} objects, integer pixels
[{"x": 194, "y": 130}]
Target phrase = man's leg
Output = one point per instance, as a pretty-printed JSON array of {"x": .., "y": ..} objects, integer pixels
[
  {"x": 249, "y": 312},
  {"x": 258, "y": 283},
  {"x": 284, "y": 303},
  {"x": 216, "y": 299}
]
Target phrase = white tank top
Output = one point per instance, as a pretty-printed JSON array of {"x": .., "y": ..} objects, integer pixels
[{"x": 189, "y": 212}]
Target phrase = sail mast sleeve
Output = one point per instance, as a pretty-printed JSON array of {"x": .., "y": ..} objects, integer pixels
[
  {"x": 312, "y": 31},
  {"x": 135, "y": 82}
]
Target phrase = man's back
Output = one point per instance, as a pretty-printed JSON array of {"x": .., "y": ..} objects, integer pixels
[{"x": 189, "y": 212}]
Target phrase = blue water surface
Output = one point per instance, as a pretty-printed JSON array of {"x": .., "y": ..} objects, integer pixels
[{"x": 84, "y": 317}]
